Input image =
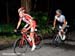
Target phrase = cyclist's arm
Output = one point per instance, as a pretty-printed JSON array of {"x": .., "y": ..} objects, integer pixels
[
  {"x": 19, "y": 22},
  {"x": 28, "y": 28},
  {"x": 64, "y": 25},
  {"x": 54, "y": 23},
  {"x": 64, "y": 22}
]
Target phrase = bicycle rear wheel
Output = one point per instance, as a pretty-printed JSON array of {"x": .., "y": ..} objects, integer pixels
[
  {"x": 19, "y": 46},
  {"x": 38, "y": 40}
]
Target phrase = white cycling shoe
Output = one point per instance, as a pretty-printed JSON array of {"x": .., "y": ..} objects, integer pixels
[
  {"x": 33, "y": 48},
  {"x": 64, "y": 37}
]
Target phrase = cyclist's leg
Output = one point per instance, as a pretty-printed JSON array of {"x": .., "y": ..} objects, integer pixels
[
  {"x": 22, "y": 39},
  {"x": 32, "y": 37},
  {"x": 60, "y": 31},
  {"x": 64, "y": 36},
  {"x": 33, "y": 26},
  {"x": 22, "y": 32},
  {"x": 63, "y": 32}
]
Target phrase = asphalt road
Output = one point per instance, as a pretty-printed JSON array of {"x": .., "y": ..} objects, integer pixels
[{"x": 67, "y": 49}]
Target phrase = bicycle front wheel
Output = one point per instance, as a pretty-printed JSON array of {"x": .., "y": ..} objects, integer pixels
[
  {"x": 20, "y": 46},
  {"x": 57, "y": 40}
]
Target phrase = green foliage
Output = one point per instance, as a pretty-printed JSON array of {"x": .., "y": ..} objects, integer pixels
[
  {"x": 41, "y": 19},
  {"x": 6, "y": 28}
]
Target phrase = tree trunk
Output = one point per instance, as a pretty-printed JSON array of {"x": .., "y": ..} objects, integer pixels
[
  {"x": 7, "y": 13},
  {"x": 26, "y": 4}
]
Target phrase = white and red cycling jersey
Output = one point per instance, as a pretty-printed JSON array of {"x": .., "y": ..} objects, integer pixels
[{"x": 28, "y": 19}]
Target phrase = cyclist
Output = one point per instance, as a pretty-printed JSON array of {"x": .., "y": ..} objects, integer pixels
[
  {"x": 61, "y": 21},
  {"x": 30, "y": 24}
]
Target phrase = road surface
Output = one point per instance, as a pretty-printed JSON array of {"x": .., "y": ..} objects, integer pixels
[{"x": 67, "y": 49}]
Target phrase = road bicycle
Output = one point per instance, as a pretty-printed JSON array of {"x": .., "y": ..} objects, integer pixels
[
  {"x": 57, "y": 39},
  {"x": 22, "y": 43}
]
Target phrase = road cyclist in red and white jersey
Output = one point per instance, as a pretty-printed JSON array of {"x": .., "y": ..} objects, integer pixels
[{"x": 30, "y": 24}]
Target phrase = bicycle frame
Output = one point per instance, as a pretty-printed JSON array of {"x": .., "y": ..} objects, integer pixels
[
  {"x": 60, "y": 33},
  {"x": 24, "y": 37}
]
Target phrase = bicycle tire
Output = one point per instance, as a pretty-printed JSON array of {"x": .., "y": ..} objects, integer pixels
[
  {"x": 56, "y": 40},
  {"x": 19, "y": 49},
  {"x": 38, "y": 40}
]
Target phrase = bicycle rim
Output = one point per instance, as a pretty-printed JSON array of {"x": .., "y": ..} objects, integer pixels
[
  {"x": 20, "y": 47},
  {"x": 38, "y": 40}
]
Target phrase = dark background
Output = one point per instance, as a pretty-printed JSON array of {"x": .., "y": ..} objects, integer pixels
[
  {"x": 49, "y": 6},
  {"x": 12, "y": 6}
]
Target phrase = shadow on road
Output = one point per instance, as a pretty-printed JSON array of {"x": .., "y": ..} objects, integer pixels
[{"x": 66, "y": 46}]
